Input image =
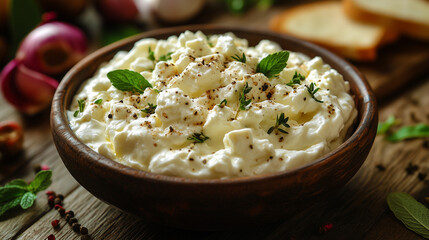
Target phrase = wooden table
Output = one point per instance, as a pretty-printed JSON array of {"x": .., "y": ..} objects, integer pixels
[{"x": 358, "y": 211}]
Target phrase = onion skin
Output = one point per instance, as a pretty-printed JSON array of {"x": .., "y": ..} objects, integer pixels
[
  {"x": 117, "y": 11},
  {"x": 52, "y": 48},
  {"x": 27, "y": 90}
]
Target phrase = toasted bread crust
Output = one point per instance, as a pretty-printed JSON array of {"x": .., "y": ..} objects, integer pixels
[
  {"x": 410, "y": 28},
  {"x": 351, "y": 51}
]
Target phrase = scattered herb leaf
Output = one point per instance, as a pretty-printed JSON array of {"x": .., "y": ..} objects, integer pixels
[
  {"x": 413, "y": 214},
  {"x": 151, "y": 55},
  {"x": 311, "y": 90},
  {"x": 280, "y": 120},
  {"x": 150, "y": 109},
  {"x": 244, "y": 102},
  {"x": 407, "y": 132},
  {"x": 81, "y": 104},
  {"x": 296, "y": 79},
  {"x": 209, "y": 42},
  {"x": 198, "y": 137},
  {"x": 273, "y": 64},
  {"x": 165, "y": 57},
  {"x": 98, "y": 101},
  {"x": 127, "y": 80},
  {"x": 18, "y": 192},
  {"x": 238, "y": 58},
  {"x": 223, "y": 103},
  {"x": 384, "y": 127}
]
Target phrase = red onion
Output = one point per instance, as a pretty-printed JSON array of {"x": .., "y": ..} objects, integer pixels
[
  {"x": 52, "y": 48},
  {"x": 25, "y": 89}
]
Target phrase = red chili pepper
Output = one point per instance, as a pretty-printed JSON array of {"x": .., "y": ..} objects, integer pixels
[{"x": 11, "y": 138}]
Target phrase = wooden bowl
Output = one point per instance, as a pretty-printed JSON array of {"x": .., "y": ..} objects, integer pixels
[{"x": 213, "y": 204}]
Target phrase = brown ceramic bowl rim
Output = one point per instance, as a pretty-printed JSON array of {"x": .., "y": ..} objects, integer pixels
[{"x": 59, "y": 110}]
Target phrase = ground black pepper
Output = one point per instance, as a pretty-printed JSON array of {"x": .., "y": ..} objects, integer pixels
[{"x": 411, "y": 168}]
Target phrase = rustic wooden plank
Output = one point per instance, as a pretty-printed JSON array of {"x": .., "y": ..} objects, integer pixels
[{"x": 63, "y": 182}]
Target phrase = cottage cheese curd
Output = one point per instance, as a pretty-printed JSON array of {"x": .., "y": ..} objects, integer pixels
[{"x": 187, "y": 90}]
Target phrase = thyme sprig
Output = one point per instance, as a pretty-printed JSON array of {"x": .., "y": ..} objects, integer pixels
[
  {"x": 296, "y": 79},
  {"x": 244, "y": 102},
  {"x": 223, "y": 103},
  {"x": 198, "y": 137},
  {"x": 150, "y": 109},
  {"x": 280, "y": 121},
  {"x": 312, "y": 90},
  {"x": 81, "y": 104},
  {"x": 238, "y": 58},
  {"x": 164, "y": 57}
]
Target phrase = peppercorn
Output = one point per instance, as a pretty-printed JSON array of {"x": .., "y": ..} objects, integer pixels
[
  {"x": 76, "y": 227},
  {"x": 411, "y": 168},
  {"x": 68, "y": 217},
  {"x": 57, "y": 206},
  {"x": 58, "y": 200},
  {"x": 72, "y": 220},
  {"x": 85, "y": 237},
  {"x": 51, "y": 200},
  {"x": 83, "y": 230},
  {"x": 55, "y": 223},
  {"x": 70, "y": 212},
  {"x": 62, "y": 212},
  {"x": 325, "y": 228},
  {"x": 60, "y": 196},
  {"x": 51, "y": 237},
  {"x": 421, "y": 176}
]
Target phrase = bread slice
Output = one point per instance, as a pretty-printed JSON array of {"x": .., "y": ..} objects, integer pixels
[
  {"x": 325, "y": 23},
  {"x": 410, "y": 17}
]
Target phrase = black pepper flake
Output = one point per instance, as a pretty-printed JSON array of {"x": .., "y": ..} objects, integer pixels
[
  {"x": 110, "y": 115},
  {"x": 195, "y": 113},
  {"x": 422, "y": 176},
  {"x": 305, "y": 98},
  {"x": 269, "y": 95},
  {"x": 380, "y": 167},
  {"x": 411, "y": 168},
  {"x": 265, "y": 86},
  {"x": 281, "y": 139},
  {"x": 251, "y": 146},
  {"x": 121, "y": 101},
  {"x": 171, "y": 129},
  {"x": 204, "y": 161},
  {"x": 191, "y": 159}
]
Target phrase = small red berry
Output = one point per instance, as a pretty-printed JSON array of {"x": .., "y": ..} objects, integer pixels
[
  {"x": 45, "y": 167},
  {"x": 51, "y": 237},
  {"x": 49, "y": 193},
  {"x": 55, "y": 223}
]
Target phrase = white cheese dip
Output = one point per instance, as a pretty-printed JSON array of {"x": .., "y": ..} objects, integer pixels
[{"x": 187, "y": 90}]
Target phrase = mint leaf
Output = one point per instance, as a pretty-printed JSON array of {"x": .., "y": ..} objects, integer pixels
[
  {"x": 18, "y": 183},
  {"x": 98, "y": 101},
  {"x": 126, "y": 80},
  {"x": 27, "y": 200},
  {"x": 41, "y": 181},
  {"x": 8, "y": 193},
  {"x": 407, "y": 132},
  {"x": 413, "y": 214},
  {"x": 9, "y": 205},
  {"x": 273, "y": 64}
]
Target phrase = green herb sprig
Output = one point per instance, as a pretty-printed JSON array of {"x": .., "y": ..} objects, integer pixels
[
  {"x": 413, "y": 214},
  {"x": 81, "y": 104},
  {"x": 244, "y": 102},
  {"x": 273, "y": 64},
  {"x": 165, "y": 57},
  {"x": 312, "y": 90},
  {"x": 151, "y": 55},
  {"x": 280, "y": 121},
  {"x": 209, "y": 42},
  {"x": 407, "y": 132},
  {"x": 222, "y": 103},
  {"x": 198, "y": 137},
  {"x": 127, "y": 80},
  {"x": 296, "y": 79},
  {"x": 238, "y": 58},
  {"x": 384, "y": 127},
  {"x": 18, "y": 192},
  {"x": 98, "y": 101},
  {"x": 150, "y": 109}
]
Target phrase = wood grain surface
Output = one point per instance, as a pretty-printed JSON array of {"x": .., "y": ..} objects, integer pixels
[{"x": 357, "y": 211}]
